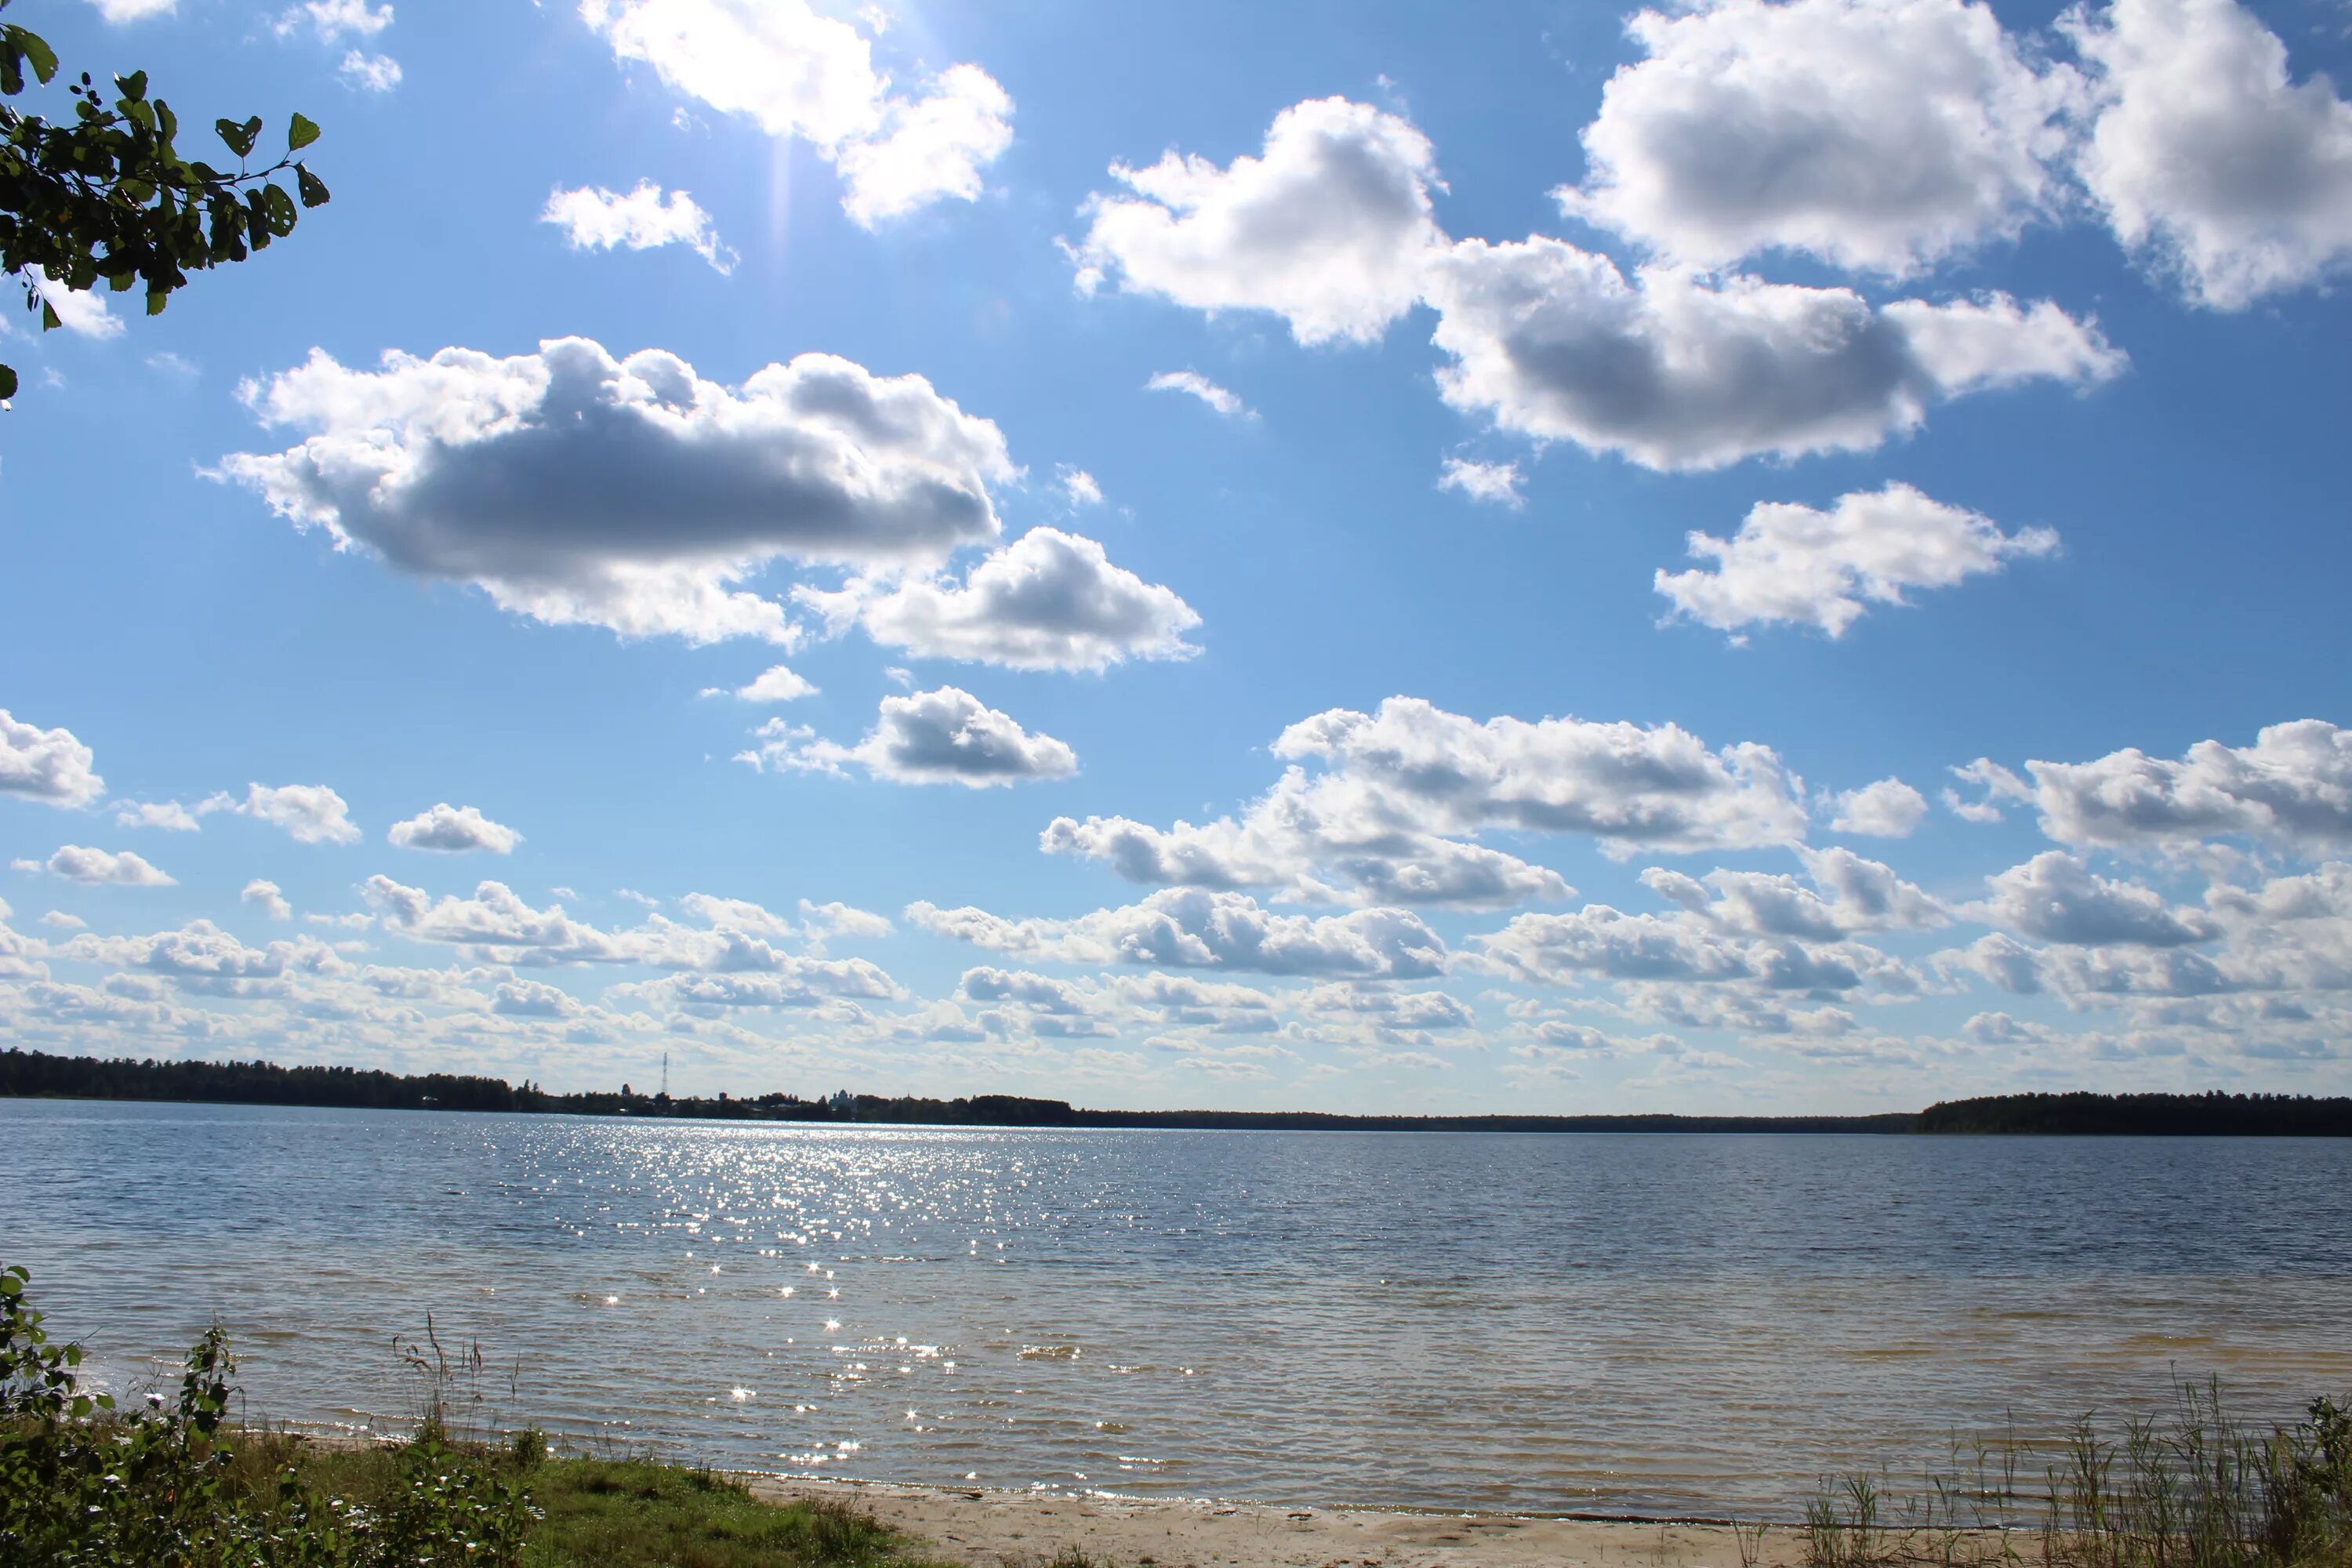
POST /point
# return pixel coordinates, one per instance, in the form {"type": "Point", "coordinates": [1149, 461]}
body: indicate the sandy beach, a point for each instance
{"type": "Point", "coordinates": [1008, 1529]}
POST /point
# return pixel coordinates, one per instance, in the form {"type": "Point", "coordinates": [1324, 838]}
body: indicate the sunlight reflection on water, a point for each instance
{"type": "Point", "coordinates": [1632, 1323]}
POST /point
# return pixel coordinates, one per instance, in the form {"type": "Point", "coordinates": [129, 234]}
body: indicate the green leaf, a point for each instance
{"type": "Point", "coordinates": [35, 49]}
{"type": "Point", "coordinates": [155, 298]}
{"type": "Point", "coordinates": [49, 323]}
{"type": "Point", "coordinates": [241, 138]}
{"type": "Point", "coordinates": [313, 189]}
{"type": "Point", "coordinates": [134, 86]}
{"type": "Point", "coordinates": [300, 134]}
{"type": "Point", "coordinates": [7, 390]}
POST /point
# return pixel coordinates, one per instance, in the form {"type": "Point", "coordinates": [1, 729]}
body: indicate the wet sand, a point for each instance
{"type": "Point", "coordinates": [1027, 1529]}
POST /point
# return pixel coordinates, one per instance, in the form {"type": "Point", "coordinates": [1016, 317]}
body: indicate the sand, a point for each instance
{"type": "Point", "coordinates": [1027, 1529]}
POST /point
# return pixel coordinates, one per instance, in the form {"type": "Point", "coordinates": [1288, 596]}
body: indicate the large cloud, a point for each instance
{"type": "Point", "coordinates": [792, 72]}
{"type": "Point", "coordinates": [1848, 893]}
{"type": "Point", "coordinates": [1881, 135]}
{"type": "Point", "coordinates": [2056, 898]}
{"type": "Point", "coordinates": [2206, 154]}
{"type": "Point", "coordinates": [1678, 951]}
{"type": "Point", "coordinates": [1677, 371]}
{"type": "Point", "coordinates": [632, 494]}
{"type": "Point", "coordinates": [1049, 600]}
{"type": "Point", "coordinates": [453, 830]}
{"type": "Point", "coordinates": [947, 736]}
{"type": "Point", "coordinates": [79, 863]}
{"type": "Point", "coordinates": [46, 764]}
{"type": "Point", "coordinates": [1329, 228]}
{"type": "Point", "coordinates": [1790, 562]}
{"type": "Point", "coordinates": [1376, 808]}
{"type": "Point", "coordinates": [2293, 786]}
{"type": "Point", "coordinates": [1189, 928]}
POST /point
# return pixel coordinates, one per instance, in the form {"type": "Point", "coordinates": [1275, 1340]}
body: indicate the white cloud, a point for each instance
{"type": "Point", "coordinates": [1329, 228]}
{"type": "Point", "coordinates": [77, 863]}
{"type": "Point", "coordinates": [331, 20]}
{"type": "Point", "coordinates": [643, 219]}
{"type": "Point", "coordinates": [1377, 808]}
{"type": "Point", "coordinates": [1495, 483]}
{"type": "Point", "coordinates": [310, 813]}
{"type": "Point", "coordinates": [370, 73]}
{"type": "Point", "coordinates": [1790, 562]}
{"type": "Point", "coordinates": [1998, 783]}
{"type": "Point", "coordinates": [82, 311]}
{"type": "Point", "coordinates": [947, 736]}
{"type": "Point", "coordinates": [453, 830]}
{"type": "Point", "coordinates": [48, 765]}
{"type": "Point", "coordinates": [2293, 787]}
{"type": "Point", "coordinates": [2056, 898]}
{"type": "Point", "coordinates": [270, 897]}
{"type": "Point", "coordinates": [1881, 135]}
{"type": "Point", "coordinates": [120, 11]}
{"type": "Point", "coordinates": [168, 814]}
{"type": "Point", "coordinates": [931, 148]}
{"type": "Point", "coordinates": [1672, 952]}
{"type": "Point", "coordinates": [1192, 384]}
{"type": "Point", "coordinates": [56, 919]}
{"type": "Point", "coordinates": [1186, 927]}
{"type": "Point", "coordinates": [2207, 155]}
{"type": "Point", "coordinates": [1077, 486]}
{"type": "Point", "coordinates": [1887, 809]}
{"type": "Point", "coordinates": [795, 73]}
{"type": "Point", "coordinates": [1848, 893]}
{"type": "Point", "coordinates": [1676, 371]}
{"type": "Point", "coordinates": [777, 683]}
{"type": "Point", "coordinates": [630, 494]}
{"type": "Point", "coordinates": [1049, 600]}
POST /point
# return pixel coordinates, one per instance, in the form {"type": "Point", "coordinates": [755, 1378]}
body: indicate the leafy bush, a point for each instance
{"type": "Point", "coordinates": [84, 1484]}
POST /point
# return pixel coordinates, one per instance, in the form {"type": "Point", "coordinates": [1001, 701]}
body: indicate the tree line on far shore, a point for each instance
{"type": "Point", "coordinates": [36, 1074]}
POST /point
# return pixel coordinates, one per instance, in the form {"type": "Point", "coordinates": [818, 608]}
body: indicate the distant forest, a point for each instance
{"type": "Point", "coordinates": [34, 1075]}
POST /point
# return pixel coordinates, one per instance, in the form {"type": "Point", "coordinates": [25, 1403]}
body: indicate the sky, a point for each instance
{"type": "Point", "coordinates": [1535, 557]}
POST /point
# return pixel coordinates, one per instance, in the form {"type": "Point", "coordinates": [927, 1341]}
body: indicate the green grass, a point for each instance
{"type": "Point", "coordinates": [603, 1514]}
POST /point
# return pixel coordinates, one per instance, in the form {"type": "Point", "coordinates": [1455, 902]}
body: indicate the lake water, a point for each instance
{"type": "Point", "coordinates": [1626, 1324]}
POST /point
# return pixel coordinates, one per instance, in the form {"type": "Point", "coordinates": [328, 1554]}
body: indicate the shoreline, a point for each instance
{"type": "Point", "coordinates": [981, 1527]}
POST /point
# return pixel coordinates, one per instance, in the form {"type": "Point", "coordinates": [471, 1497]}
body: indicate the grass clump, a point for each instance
{"type": "Point", "coordinates": [2196, 1489]}
{"type": "Point", "coordinates": [170, 1483]}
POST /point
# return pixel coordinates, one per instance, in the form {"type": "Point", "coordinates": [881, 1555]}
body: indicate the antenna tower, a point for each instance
{"type": "Point", "coordinates": [665, 1075]}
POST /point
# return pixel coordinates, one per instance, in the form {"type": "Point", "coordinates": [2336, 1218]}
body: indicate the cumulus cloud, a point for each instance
{"type": "Point", "coordinates": [268, 896]}
{"type": "Point", "coordinates": [2205, 152]}
{"type": "Point", "coordinates": [1495, 483]}
{"type": "Point", "coordinates": [1049, 600]}
{"type": "Point", "coordinates": [1675, 370]}
{"type": "Point", "coordinates": [793, 72]}
{"type": "Point", "coordinates": [2056, 898]}
{"type": "Point", "coordinates": [120, 11]}
{"type": "Point", "coordinates": [332, 20]}
{"type": "Point", "coordinates": [369, 73]}
{"type": "Point", "coordinates": [577, 488]}
{"type": "Point", "coordinates": [1847, 893]}
{"type": "Point", "coordinates": [947, 736]}
{"type": "Point", "coordinates": [1996, 785]}
{"type": "Point", "coordinates": [309, 814]}
{"type": "Point", "coordinates": [1381, 809]}
{"type": "Point", "coordinates": [1887, 809]}
{"type": "Point", "coordinates": [1791, 563]}
{"type": "Point", "coordinates": [77, 863]}
{"type": "Point", "coordinates": [1192, 384]}
{"type": "Point", "coordinates": [47, 765]}
{"type": "Point", "coordinates": [453, 830]}
{"type": "Point", "coordinates": [2293, 787]}
{"type": "Point", "coordinates": [79, 311]}
{"type": "Point", "coordinates": [1327, 229]}
{"type": "Point", "coordinates": [1880, 135]}
{"type": "Point", "coordinates": [1668, 952]}
{"type": "Point", "coordinates": [643, 219]}
{"type": "Point", "coordinates": [496, 925]}
{"type": "Point", "coordinates": [1189, 928]}
{"type": "Point", "coordinates": [168, 814]}
{"type": "Point", "coordinates": [777, 683]}
{"type": "Point", "coordinates": [1077, 486]}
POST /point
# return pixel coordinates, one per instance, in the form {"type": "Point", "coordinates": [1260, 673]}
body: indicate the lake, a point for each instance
{"type": "Point", "coordinates": [1671, 1324]}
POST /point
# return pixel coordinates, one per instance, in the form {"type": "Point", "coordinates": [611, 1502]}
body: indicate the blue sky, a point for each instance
{"type": "Point", "coordinates": [1345, 721]}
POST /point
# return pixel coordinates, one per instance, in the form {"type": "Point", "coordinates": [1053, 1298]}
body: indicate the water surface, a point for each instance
{"type": "Point", "coordinates": [1625, 1322]}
